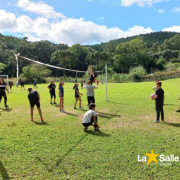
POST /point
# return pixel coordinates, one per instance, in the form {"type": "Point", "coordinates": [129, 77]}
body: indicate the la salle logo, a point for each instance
{"type": "Point", "coordinates": [153, 157]}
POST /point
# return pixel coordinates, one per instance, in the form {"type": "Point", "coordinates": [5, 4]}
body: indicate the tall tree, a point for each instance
{"type": "Point", "coordinates": [62, 56]}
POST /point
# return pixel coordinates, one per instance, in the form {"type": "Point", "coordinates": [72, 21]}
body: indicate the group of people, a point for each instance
{"type": "Point", "coordinates": [90, 117]}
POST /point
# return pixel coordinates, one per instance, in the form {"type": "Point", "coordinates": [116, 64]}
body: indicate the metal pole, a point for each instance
{"type": "Point", "coordinates": [106, 83]}
{"type": "Point", "coordinates": [16, 55]}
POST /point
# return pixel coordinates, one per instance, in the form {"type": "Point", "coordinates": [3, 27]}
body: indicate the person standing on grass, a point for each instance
{"type": "Point", "coordinates": [61, 96]}
{"type": "Point", "coordinates": [90, 92]}
{"type": "Point", "coordinates": [10, 85]}
{"type": "Point", "coordinates": [102, 82]}
{"type": "Point", "coordinates": [34, 99]}
{"type": "Point", "coordinates": [34, 84]}
{"type": "Point", "coordinates": [97, 82]}
{"type": "Point", "coordinates": [22, 85]}
{"type": "Point", "coordinates": [77, 96]}
{"type": "Point", "coordinates": [89, 118]}
{"type": "Point", "coordinates": [159, 98]}
{"type": "Point", "coordinates": [81, 84]}
{"type": "Point", "coordinates": [3, 90]}
{"type": "Point", "coordinates": [52, 88]}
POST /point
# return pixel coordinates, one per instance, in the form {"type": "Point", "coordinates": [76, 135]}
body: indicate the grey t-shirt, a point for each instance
{"type": "Point", "coordinates": [90, 90]}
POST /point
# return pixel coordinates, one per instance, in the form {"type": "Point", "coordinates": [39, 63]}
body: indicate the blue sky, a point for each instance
{"type": "Point", "coordinates": [87, 21]}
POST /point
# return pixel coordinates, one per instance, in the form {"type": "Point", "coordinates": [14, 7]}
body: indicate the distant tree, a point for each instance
{"type": "Point", "coordinates": [2, 67]}
{"type": "Point", "coordinates": [63, 57]}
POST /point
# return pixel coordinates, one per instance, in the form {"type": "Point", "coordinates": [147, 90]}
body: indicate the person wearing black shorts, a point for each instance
{"type": "Point", "coordinates": [52, 88]}
{"type": "Point", "coordinates": [2, 92]}
{"type": "Point", "coordinates": [159, 102]}
{"type": "Point", "coordinates": [77, 96]}
{"type": "Point", "coordinates": [92, 75]}
{"type": "Point", "coordinates": [90, 92]}
{"type": "Point", "coordinates": [22, 85]}
{"type": "Point", "coordinates": [34, 99]}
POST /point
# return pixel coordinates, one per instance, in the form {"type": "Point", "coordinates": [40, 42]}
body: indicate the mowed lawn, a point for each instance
{"type": "Point", "coordinates": [60, 149]}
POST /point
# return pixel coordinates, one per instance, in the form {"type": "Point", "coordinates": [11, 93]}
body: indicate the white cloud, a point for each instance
{"type": "Point", "coordinates": [100, 18]}
{"type": "Point", "coordinates": [7, 20]}
{"type": "Point", "coordinates": [172, 29]}
{"type": "Point", "coordinates": [160, 10]}
{"type": "Point", "coordinates": [139, 2]}
{"type": "Point", "coordinates": [177, 9]}
{"type": "Point", "coordinates": [39, 8]}
{"type": "Point", "coordinates": [69, 31]}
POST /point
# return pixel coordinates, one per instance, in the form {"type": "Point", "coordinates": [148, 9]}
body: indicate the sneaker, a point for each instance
{"type": "Point", "coordinates": [156, 121]}
{"type": "Point", "coordinates": [178, 111]}
{"type": "Point", "coordinates": [55, 103]}
{"type": "Point", "coordinates": [51, 103]}
{"type": "Point", "coordinates": [6, 106]}
{"type": "Point", "coordinates": [96, 130]}
{"type": "Point", "coordinates": [42, 119]}
{"type": "Point", "coordinates": [63, 111]}
{"type": "Point", "coordinates": [80, 107]}
{"type": "Point", "coordinates": [85, 129]}
{"type": "Point", "coordinates": [31, 119]}
{"type": "Point", "coordinates": [75, 107]}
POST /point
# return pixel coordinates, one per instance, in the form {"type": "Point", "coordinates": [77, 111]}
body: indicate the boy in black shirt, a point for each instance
{"type": "Point", "coordinates": [93, 75]}
{"type": "Point", "coordinates": [34, 99]}
{"type": "Point", "coordinates": [22, 85]}
{"type": "Point", "coordinates": [52, 88]}
{"type": "Point", "coordinates": [159, 102]}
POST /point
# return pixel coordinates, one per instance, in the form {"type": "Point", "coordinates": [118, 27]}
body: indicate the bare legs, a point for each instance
{"type": "Point", "coordinates": [76, 100]}
{"type": "Point", "coordinates": [61, 103]}
{"type": "Point", "coordinates": [39, 110]}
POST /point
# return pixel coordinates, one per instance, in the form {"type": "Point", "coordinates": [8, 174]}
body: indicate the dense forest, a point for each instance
{"type": "Point", "coordinates": [152, 51]}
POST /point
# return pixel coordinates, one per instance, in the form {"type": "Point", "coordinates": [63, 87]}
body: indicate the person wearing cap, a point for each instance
{"type": "Point", "coordinates": [155, 88]}
{"type": "Point", "coordinates": [34, 99]}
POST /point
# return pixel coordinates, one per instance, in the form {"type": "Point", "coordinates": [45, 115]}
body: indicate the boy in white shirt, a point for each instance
{"type": "Point", "coordinates": [90, 117]}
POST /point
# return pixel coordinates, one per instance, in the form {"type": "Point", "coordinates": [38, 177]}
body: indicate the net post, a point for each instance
{"type": "Point", "coordinates": [8, 82]}
{"type": "Point", "coordinates": [106, 83]}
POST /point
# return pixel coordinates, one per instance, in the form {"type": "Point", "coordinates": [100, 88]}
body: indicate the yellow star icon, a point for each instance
{"type": "Point", "coordinates": [152, 157]}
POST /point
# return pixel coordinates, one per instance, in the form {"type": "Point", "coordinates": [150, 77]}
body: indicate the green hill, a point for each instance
{"type": "Point", "coordinates": [149, 39]}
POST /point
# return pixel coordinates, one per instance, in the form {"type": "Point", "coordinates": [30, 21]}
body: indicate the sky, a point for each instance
{"type": "Point", "coordinates": [87, 21]}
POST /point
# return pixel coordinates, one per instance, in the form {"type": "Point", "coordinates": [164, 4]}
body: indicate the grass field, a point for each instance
{"type": "Point", "coordinates": [59, 149]}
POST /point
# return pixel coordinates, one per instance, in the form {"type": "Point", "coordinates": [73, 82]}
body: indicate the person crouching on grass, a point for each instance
{"type": "Point", "coordinates": [90, 117]}
{"type": "Point", "coordinates": [61, 96]}
{"type": "Point", "coordinates": [159, 102]}
{"type": "Point", "coordinates": [77, 96]}
{"type": "Point", "coordinates": [34, 99]}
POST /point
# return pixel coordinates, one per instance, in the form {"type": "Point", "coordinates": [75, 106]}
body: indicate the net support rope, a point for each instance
{"type": "Point", "coordinates": [53, 66]}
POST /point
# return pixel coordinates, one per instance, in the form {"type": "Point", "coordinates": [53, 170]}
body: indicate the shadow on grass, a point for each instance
{"type": "Point", "coordinates": [105, 115]}
{"type": "Point", "coordinates": [70, 114]}
{"type": "Point", "coordinates": [102, 134]}
{"type": "Point", "coordinates": [3, 172]}
{"type": "Point", "coordinates": [173, 124]}
{"type": "Point", "coordinates": [40, 123]}
{"type": "Point", "coordinates": [7, 109]}
{"type": "Point", "coordinates": [63, 156]}
{"type": "Point", "coordinates": [170, 104]}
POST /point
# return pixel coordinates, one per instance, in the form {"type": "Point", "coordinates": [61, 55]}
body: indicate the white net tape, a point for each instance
{"type": "Point", "coordinates": [53, 66]}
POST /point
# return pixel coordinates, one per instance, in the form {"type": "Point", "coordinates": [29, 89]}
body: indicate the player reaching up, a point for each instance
{"type": "Point", "coordinates": [93, 75]}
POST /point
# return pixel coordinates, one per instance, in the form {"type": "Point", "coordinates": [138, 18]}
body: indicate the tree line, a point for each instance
{"type": "Point", "coordinates": [152, 51]}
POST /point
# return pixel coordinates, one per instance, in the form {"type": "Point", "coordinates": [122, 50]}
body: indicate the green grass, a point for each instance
{"type": "Point", "coordinates": [59, 149]}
